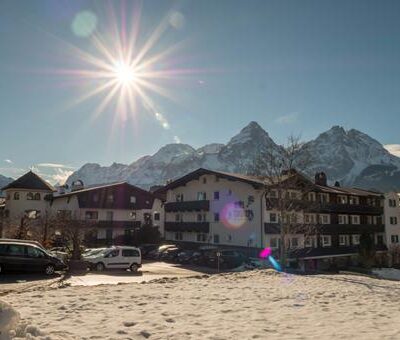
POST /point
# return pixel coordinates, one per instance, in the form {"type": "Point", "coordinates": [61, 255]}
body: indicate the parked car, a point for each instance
{"type": "Point", "coordinates": [170, 254]}
{"type": "Point", "coordinates": [92, 251]}
{"type": "Point", "coordinates": [27, 256]}
{"type": "Point", "coordinates": [156, 254]}
{"type": "Point", "coordinates": [228, 259]}
{"type": "Point", "coordinates": [60, 252]}
{"type": "Point", "coordinates": [121, 257]}
{"type": "Point", "coordinates": [147, 248]}
{"type": "Point", "coordinates": [186, 256]}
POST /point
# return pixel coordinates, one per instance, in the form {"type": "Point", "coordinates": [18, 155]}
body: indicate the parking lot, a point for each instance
{"type": "Point", "coordinates": [11, 283]}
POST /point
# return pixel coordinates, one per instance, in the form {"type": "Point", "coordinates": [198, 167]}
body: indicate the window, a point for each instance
{"type": "Point", "coordinates": [293, 195]}
{"type": "Point", "coordinates": [394, 238]}
{"type": "Point", "coordinates": [156, 216]}
{"type": "Point", "coordinates": [216, 179]}
{"type": "Point", "coordinates": [311, 196]}
{"type": "Point", "coordinates": [216, 238]}
{"type": "Point", "coordinates": [34, 252]}
{"type": "Point", "coordinates": [229, 192]}
{"type": "Point", "coordinates": [310, 241]}
{"type": "Point", "coordinates": [110, 198]}
{"type": "Point", "coordinates": [178, 218]}
{"type": "Point", "coordinates": [342, 199]}
{"type": "Point", "coordinates": [216, 217]}
{"type": "Point", "coordinates": [379, 239]}
{"type": "Point", "coordinates": [324, 198]}
{"type": "Point", "coordinates": [178, 236]}
{"type": "Point", "coordinates": [355, 219]}
{"type": "Point", "coordinates": [95, 197]}
{"type": "Point", "coordinates": [343, 219]}
{"type": "Point", "coordinates": [204, 180]}
{"type": "Point", "coordinates": [179, 197]}
{"type": "Point", "coordinates": [16, 250]}
{"type": "Point", "coordinates": [36, 197]}
{"type": "Point", "coordinates": [132, 215]}
{"type": "Point", "coordinates": [29, 196]}
{"type": "Point", "coordinates": [201, 217]}
{"type": "Point", "coordinates": [200, 237]}
{"type": "Point", "coordinates": [326, 240]}
{"type": "Point", "coordinates": [272, 194]}
{"type": "Point", "coordinates": [273, 217]}
{"type": "Point", "coordinates": [216, 195]}
{"type": "Point", "coordinates": [91, 215]}
{"type": "Point", "coordinates": [294, 242]}
{"type": "Point", "coordinates": [323, 219]}
{"type": "Point", "coordinates": [344, 240]}
{"type": "Point", "coordinates": [133, 199]}
{"type": "Point", "coordinates": [393, 220]}
{"type": "Point", "coordinates": [353, 200]}
{"type": "Point", "coordinates": [250, 199]}
{"type": "Point", "coordinates": [130, 253]}
{"type": "Point", "coordinates": [356, 239]}
{"type": "Point", "coordinates": [273, 243]}
{"type": "Point", "coordinates": [201, 196]}
{"type": "Point", "coordinates": [112, 253]}
{"type": "Point", "coordinates": [16, 196]}
{"type": "Point", "coordinates": [229, 238]}
{"type": "Point", "coordinates": [109, 215]}
{"type": "Point", "coordinates": [392, 203]}
{"type": "Point", "coordinates": [64, 214]}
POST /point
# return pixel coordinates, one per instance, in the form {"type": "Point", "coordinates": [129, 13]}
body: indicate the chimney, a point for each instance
{"type": "Point", "coordinates": [337, 184]}
{"type": "Point", "coordinates": [320, 179]}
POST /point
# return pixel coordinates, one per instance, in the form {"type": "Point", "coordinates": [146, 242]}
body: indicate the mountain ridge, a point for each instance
{"type": "Point", "coordinates": [349, 156]}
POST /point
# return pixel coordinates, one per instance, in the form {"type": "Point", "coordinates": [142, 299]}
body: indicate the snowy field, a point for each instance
{"type": "Point", "coordinates": [247, 305]}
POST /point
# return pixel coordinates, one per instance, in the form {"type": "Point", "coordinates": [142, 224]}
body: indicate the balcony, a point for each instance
{"type": "Point", "coordinates": [187, 206]}
{"type": "Point", "coordinates": [309, 206]}
{"type": "Point", "coordinates": [197, 227]}
{"type": "Point", "coordinates": [329, 229]}
{"type": "Point", "coordinates": [116, 224]}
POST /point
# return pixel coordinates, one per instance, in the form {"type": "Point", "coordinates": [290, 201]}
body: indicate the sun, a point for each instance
{"type": "Point", "coordinates": [124, 73]}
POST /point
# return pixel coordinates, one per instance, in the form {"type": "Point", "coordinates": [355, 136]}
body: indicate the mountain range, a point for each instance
{"type": "Point", "coordinates": [351, 157]}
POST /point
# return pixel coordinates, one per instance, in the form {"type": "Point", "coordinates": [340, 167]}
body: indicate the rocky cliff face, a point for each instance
{"type": "Point", "coordinates": [351, 157]}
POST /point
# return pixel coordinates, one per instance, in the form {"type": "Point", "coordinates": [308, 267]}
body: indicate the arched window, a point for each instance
{"type": "Point", "coordinates": [29, 196]}
{"type": "Point", "coordinates": [16, 196]}
{"type": "Point", "coordinates": [37, 197]}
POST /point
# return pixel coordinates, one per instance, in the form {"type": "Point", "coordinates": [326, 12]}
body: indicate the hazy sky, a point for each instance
{"type": "Point", "coordinates": [293, 66]}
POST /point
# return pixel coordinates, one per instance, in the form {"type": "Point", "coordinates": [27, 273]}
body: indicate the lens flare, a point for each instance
{"type": "Point", "coordinates": [233, 216]}
{"type": "Point", "coordinates": [267, 254]}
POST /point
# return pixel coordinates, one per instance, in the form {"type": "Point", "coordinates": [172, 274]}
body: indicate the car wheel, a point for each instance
{"type": "Point", "coordinates": [49, 269]}
{"type": "Point", "coordinates": [134, 268]}
{"type": "Point", "coordinates": [100, 267]}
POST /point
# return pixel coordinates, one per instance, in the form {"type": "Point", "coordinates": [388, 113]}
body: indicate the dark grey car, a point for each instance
{"type": "Point", "coordinates": [24, 257]}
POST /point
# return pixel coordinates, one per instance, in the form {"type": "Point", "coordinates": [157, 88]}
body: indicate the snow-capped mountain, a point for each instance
{"type": "Point", "coordinates": [351, 157]}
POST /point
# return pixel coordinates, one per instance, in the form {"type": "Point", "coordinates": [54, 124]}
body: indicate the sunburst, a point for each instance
{"type": "Point", "coordinates": [120, 73]}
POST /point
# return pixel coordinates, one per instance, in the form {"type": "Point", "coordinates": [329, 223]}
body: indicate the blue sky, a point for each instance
{"type": "Point", "coordinates": [293, 66]}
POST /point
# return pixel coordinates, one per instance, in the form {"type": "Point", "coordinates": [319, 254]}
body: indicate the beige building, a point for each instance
{"type": "Point", "coordinates": [113, 213]}
{"type": "Point", "coordinates": [27, 197]}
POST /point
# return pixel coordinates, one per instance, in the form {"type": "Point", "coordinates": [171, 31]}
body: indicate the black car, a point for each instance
{"type": "Point", "coordinates": [227, 259]}
{"type": "Point", "coordinates": [26, 256]}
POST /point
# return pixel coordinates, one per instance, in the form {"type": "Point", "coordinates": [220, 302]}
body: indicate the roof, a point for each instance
{"type": "Point", "coordinates": [347, 191]}
{"type": "Point", "coordinates": [30, 181]}
{"type": "Point", "coordinates": [252, 180]}
{"type": "Point", "coordinates": [95, 187]}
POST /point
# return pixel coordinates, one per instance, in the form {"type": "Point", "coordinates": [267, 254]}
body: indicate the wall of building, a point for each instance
{"type": "Point", "coordinates": [392, 219]}
{"type": "Point", "coordinates": [237, 226]}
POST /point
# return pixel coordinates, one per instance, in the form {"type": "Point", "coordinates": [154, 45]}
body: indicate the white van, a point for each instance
{"type": "Point", "coordinates": [121, 257]}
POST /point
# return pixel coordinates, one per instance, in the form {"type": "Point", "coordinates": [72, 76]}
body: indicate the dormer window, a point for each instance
{"type": "Point", "coordinates": [29, 196]}
{"type": "Point", "coordinates": [16, 196]}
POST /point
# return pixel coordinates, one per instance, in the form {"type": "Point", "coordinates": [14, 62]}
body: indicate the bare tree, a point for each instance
{"type": "Point", "coordinates": [281, 172]}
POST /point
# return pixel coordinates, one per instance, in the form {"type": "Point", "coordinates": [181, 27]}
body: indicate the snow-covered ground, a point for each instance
{"type": "Point", "coordinates": [247, 305]}
{"type": "Point", "coordinates": [387, 273]}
